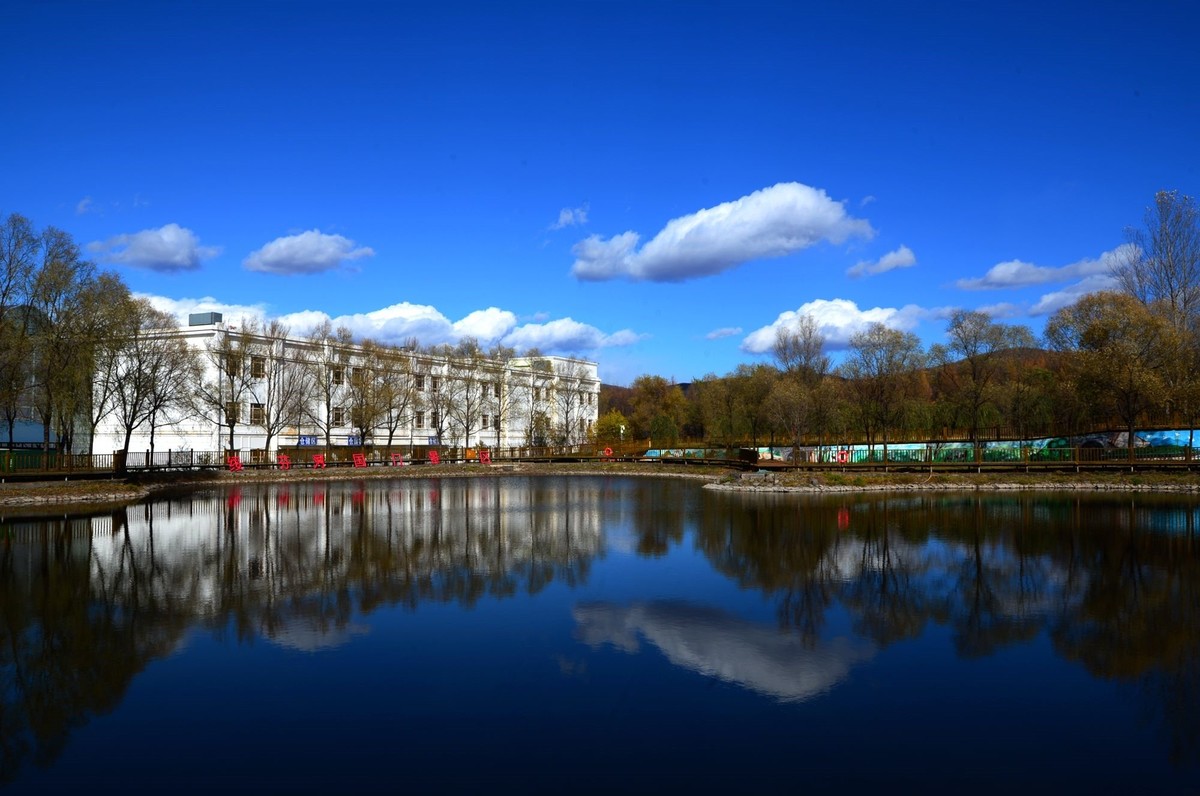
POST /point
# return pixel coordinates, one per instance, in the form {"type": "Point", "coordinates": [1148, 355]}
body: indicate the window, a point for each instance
{"type": "Point", "coordinates": [420, 421]}
{"type": "Point", "coordinates": [433, 383]}
{"type": "Point", "coordinates": [485, 422]}
{"type": "Point", "coordinates": [337, 375]}
{"type": "Point", "coordinates": [258, 367]}
{"type": "Point", "coordinates": [484, 394]}
{"type": "Point", "coordinates": [496, 422]}
{"type": "Point", "coordinates": [590, 398]}
{"type": "Point", "coordinates": [433, 419]}
{"type": "Point", "coordinates": [339, 416]}
{"type": "Point", "coordinates": [420, 386]}
{"type": "Point", "coordinates": [496, 389]}
{"type": "Point", "coordinates": [231, 412]}
{"type": "Point", "coordinates": [233, 364]}
{"type": "Point", "coordinates": [258, 415]}
{"type": "Point", "coordinates": [537, 393]}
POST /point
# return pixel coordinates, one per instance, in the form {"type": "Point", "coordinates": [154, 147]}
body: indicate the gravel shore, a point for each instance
{"type": "Point", "coordinates": [59, 494]}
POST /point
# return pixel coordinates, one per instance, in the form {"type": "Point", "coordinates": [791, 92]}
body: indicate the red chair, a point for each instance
{"type": "Point", "coordinates": [397, 460]}
{"type": "Point", "coordinates": [283, 461]}
{"type": "Point", "coordinates": [318, 460]}
{"type": "Point", "coordinates": [359, 460]}
{"type": "Point", "coordinates": [434, 458]}
{"type": "Point", "coordinates": [234, 463]}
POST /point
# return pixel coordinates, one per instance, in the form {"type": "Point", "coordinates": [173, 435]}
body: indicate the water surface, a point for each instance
{"type": "Point", "coordinates": [591, 633]}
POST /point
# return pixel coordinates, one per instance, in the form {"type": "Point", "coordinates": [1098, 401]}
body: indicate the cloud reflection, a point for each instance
{"type": "Point", "coordinates": [718, 644]}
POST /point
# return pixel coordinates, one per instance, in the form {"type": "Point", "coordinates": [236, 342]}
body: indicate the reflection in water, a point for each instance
{"type": "Point", "coordinates": [1113, 581]}
{"type": "Point", "coordinates": [1109, 583]}
{"type": "Point", "coordinates": [717, 644]}
{"type": "Point", "coordinates": [87, 602]}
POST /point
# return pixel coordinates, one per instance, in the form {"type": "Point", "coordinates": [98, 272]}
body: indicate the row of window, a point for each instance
{"type": "Point", "coordinates": [337, 375]}
{"type": "Point", "coordinates": [258, 417]}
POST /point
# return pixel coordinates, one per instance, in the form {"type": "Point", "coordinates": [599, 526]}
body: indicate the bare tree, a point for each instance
{"type": "Point", "coordinates": [880, 368]}
{"type": "Point", "coordinates": [572, 395]}
{"type": "Point", "coordinates": [972, 361]}
{"type": "Point", "coordinates": [469, 386]}
{"type": "Point", "coordinates": [279, 372]}
{"type": "Point", "coordinates": [1161, 265]}
{"type": "Point", "coordinates": [221, 394]}
{"type": "Point", "coordinates": [327, 368]}
{"type": "Point", "coordinates": [396, 391]}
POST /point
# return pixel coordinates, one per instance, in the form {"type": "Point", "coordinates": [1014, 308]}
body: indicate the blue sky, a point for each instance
{"type": "Point", "coordinates": [655, 186]}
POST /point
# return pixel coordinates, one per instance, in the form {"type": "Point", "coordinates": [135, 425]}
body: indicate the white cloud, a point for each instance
{"type": "Point", "coordinates": [571, 217]}
{"type": "Point", "coordinates": [180, 309]}
{"type": "Point", "coordinates": [84, 206]}
{"type": "Point", "coordinates": [168, 248]}
{"type": "Point", "coordinates": [1017, 273]}
{"type": "Point", "coordinates": [837, 320]}
{"type": "Point", "coordinates": [399, 322]}
{"type": "Point", "coordinates": [309, 252]}
{"type": "Point", "coordinates": [1050, 302]}
{"type": "Point", "coordinates": [1004, 309]}
{"type": "Point", "coordinates": [566, 335]}
{"type": "Point", "coordinates": [726, 331]}
{"type": "Point", "coordinates": [772, 222]}
{"type": "Point", "coordinates": [900, 258]}
{"type": "Point", "coordinates": [489, 324]}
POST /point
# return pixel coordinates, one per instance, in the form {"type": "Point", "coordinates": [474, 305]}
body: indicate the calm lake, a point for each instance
{"type": "Point", "coordinates": [583, 634]}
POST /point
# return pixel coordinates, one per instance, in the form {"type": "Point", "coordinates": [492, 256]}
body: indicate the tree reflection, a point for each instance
{"type": "Point", "coordinates": [788, 550]}
{"type": "Point", "coordinates": [1115, 582]}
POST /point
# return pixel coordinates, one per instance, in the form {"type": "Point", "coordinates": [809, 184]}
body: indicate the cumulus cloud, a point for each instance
{"type": "Point", "coordinates": [571, 217]}
{"type": "Point", "coordinates": [772, 222]}
{"type": "Point", "coordinates": [400, 322]}
{"type": "Point", "coordinates": [726, 331]}
{"type": "Point", "coordinates": [309, 252]}
{"type": "Point", "coordinates": [168, 248]}
{"type": "Point", "coordinates": [566, 335]}
{"type": "Point", "coordinates": [900, 258]}
{"type": "Point", "coordinates": [837, 320]}
{"type": "Point", "coordinates": [180, 309]}
{"type": "Point", "coordinates": [1004, 309]}
{"type": "Point", "coordinates": [1017, 273]}
{"type": "Point", "coordinates": [1050, 302]}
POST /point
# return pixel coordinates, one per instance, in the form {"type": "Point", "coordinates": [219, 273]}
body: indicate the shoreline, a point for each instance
{"type": "Point", "coordinates": [57, 495]}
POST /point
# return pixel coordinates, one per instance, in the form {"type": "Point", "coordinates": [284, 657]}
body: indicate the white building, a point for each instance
{"type": "Point", "coordinates": [258, 394]}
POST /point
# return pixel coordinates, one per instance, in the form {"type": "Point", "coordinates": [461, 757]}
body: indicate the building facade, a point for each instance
{"type": "Point", "coordinates": [258, 392]}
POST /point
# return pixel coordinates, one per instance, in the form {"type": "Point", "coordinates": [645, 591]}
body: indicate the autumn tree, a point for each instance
{"type": "Point", "coordinates": [19, 252]}
{"type": "Point", "coordinates": [1120, 353]}
{"type": "Point", "coordinates": [800, 354]}
{"type": "Point", "coordinates": [658, 406]}
{"type": "Point", "coordinates": [971, 363]}
{"type": "Point", "coordinates": [879, 369]}
{"type": "Point", "coordinates": [1160, 267]}
{"type": "Point", "coordinates": [69, 299]}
